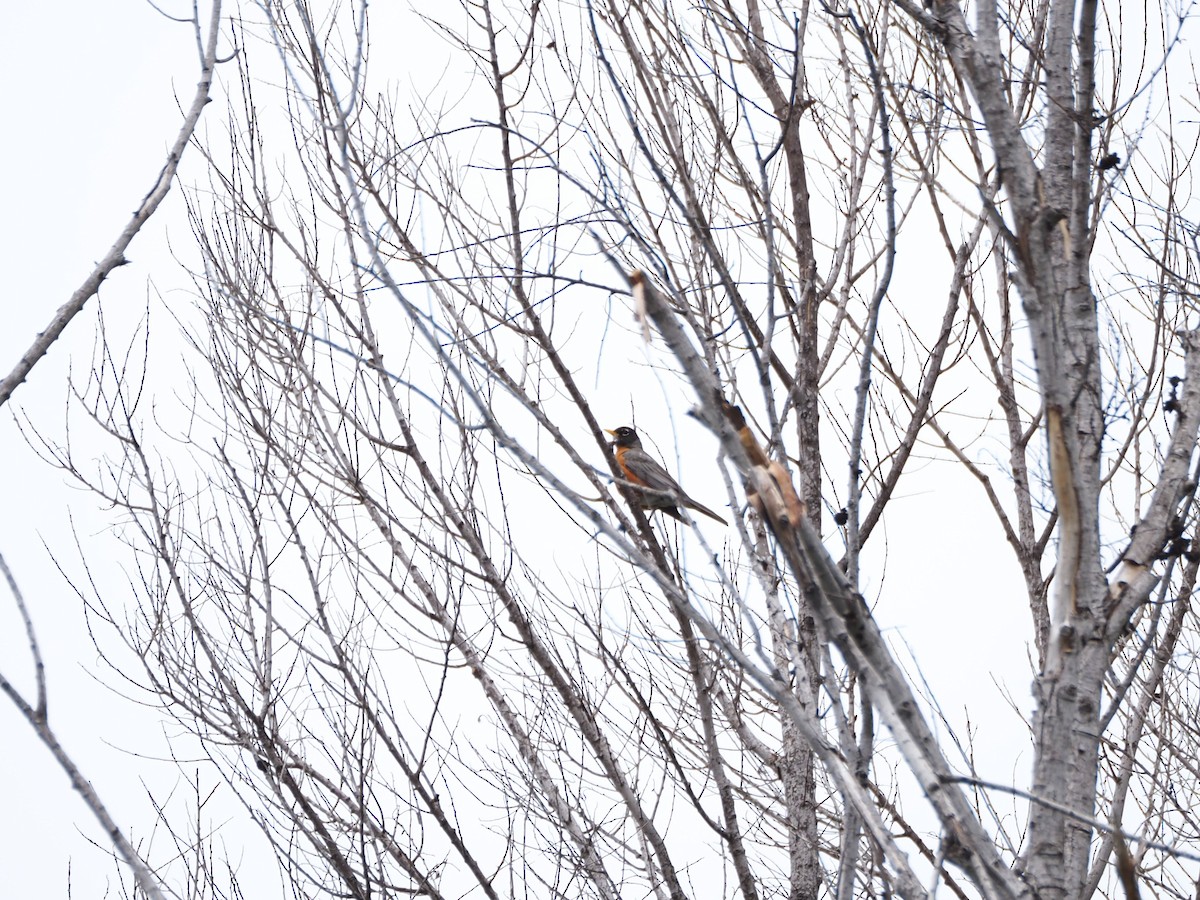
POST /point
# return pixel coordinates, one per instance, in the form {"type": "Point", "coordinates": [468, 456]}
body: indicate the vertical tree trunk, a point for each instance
{"type": "Point", "coordinates": [1050, 245]}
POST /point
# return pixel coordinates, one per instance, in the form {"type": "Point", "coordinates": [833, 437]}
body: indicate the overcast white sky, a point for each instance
{"type": "Point", "coordinates": [90, 100]}
{"type": "Point", "coordinates": [90, 105]}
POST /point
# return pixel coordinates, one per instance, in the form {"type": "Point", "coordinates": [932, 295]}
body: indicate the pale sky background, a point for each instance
{"type": "Point", "coordinates": [90, 100]}
{"type": "Point", "coordinates": [91, 104]}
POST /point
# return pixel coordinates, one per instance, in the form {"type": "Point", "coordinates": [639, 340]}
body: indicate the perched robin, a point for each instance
{"type": "Point", "coordinates": [641, 469]}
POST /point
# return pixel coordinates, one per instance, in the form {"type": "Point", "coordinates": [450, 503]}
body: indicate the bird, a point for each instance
{"type": "Point", "coordinates": [640, 469]}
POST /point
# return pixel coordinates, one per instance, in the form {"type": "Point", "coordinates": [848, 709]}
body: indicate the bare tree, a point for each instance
{"type": "Point", "coordinates": [406, 598]}
{"type": "Point", "coordinates": [34, 707]}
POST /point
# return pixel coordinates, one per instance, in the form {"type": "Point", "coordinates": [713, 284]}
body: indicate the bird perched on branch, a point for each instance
{"type": "Point", "coordinates": [641, 470]}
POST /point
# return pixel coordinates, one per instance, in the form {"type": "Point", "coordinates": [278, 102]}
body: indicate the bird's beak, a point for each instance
{"type": "Point", "coordinates": [610, 431]}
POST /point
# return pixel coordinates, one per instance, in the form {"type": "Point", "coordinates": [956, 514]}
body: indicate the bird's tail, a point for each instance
{"type": "Point", "coordinates": [700, 508]}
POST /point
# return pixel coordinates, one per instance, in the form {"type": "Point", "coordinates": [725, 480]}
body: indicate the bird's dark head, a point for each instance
{"type": "Point", "coordinates": [624, 437]}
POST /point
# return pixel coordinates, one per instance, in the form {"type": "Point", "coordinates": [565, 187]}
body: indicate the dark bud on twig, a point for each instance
{"type": "Point", "coordinates": [1171, 404]}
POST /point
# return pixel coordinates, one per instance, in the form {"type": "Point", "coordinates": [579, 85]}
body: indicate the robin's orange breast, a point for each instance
{"type": "Point", "coordinates": [630, 475]}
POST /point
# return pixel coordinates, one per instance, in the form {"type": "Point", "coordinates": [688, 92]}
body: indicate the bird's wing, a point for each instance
{"type": "Point", "coordinates": [644, 468]}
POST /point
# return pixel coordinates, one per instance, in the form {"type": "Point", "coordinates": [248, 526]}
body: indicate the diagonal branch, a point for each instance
{"type": "Point", "coordinates": [40, 723]}
{"type": "Point", "coordinates": [1134, 579]}
{"type": "Point", "coordinates": [848, 623]}
{"type": "Point", "coordinates": [116, 253]}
